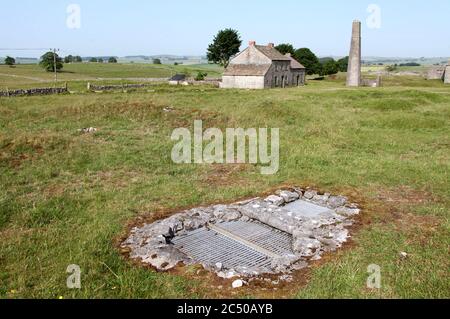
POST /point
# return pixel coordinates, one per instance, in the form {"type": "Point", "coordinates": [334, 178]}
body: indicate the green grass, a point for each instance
{"type": "Point", "coordinates": [33, 74]}
{"type": "Point", "coordinates": [66, 197]}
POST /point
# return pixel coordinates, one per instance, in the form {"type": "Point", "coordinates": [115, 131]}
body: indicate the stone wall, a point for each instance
{"type": "Point", "coordinates": [92, 87]}
{"type": "Point", "coordinates": [243, 82]}
{"type": "Point", "coordinates": [279, 72]}
{"type": "Point", "coordinates": [35, 91]}
{"type": "Point", "coordinates": [374, 83]}
{"type": "Point", "coordinates": [447, 75]}
{"type": "Point", "coordinates": [436, 73]}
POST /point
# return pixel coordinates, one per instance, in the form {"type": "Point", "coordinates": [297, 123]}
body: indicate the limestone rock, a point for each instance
{"type": "Point", "coordinates": [237, 284]}
{"type": "Point", "coordinates": [348, 212]}
{"type": "Point", "coordinates": [276, 200]}
{"type": "Point", "coordinates": [306, 247]}
{"type": "Point", "coordinates": [336, 201]}
{"type": "Point", "coordinates": [321, 199]}
{"type": "Point", "coordinates": [288, 196]}
{"type": "Point", "coordinates": [310, 194]}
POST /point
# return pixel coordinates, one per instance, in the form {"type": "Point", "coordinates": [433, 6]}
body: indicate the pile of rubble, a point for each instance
{"type": "Point", "coordinates": [317, 223]}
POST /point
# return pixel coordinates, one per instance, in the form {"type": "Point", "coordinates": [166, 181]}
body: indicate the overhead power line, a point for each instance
{"type": "Point", "coordinates": [23, 49]}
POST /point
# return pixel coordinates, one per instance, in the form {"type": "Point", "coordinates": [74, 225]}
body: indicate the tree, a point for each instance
{"type": "Point", "coordinates": [100, 60]}
{"type": "Point", "coordinates": [225, 44]}
{"type": "Point", "coordinates": [391, 68]}
{"type": "Point", "coordinates": [201, 76]}
{"type": "Point", "coordinates": [330, 67]}
{"type": "Point", "coordinates": [157, 61]}
{"type": "Point", "coordinates": [309, 60]}
{"type": "Point", "coordinates": [112, 60]}
{"type": "Point", "coordinates": [343, 64]}
{"type": "Point", "coordinates": [48, 62]}
{"type": "Point", "coordinates": [78, 59]}
{"type": "Point", "coordinates": [10, 61]}
{"type": "Point", "coordinates": [69, 59]}
{"type": "Point", "coordinates": [285, 48]}
{"type": "Point", "coordinates": [93, 60]}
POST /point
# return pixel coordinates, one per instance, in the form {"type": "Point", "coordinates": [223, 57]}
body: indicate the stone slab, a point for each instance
{"type": "Point", "coordinates": [303, 208]}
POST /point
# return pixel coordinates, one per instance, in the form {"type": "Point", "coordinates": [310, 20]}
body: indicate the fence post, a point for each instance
{"type": "Point", "coordinates": [7, 92]}
{"type": "Point", "coordinates": [89, 86]}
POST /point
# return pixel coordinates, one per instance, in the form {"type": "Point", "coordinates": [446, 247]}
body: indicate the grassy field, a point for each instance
{"type": "Point", "coordinates": [377, 68]}
{"type": "Point", "coordinates": [33, 74]}
{"type": "Point", "coordinates": [65, 198]}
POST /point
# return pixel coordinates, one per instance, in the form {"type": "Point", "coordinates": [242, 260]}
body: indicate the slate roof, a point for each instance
{"type": "Point", "coordinates": [271, 53]}
{"type": "Point", "coordinates": [294, 63]}
{"type": "Point", "coordinates": [261, 69]}
{"type": "Point", "coordinates": [247, 69]}
{"type": "Point", "coordinates": [178, 77]}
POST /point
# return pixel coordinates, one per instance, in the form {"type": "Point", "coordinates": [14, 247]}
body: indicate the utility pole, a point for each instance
{"type": "Point", "coordinates": [54, 64]}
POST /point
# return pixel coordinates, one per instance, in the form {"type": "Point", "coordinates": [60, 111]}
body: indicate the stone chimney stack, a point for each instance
{"type": "Point", "coordinates": [251, 43]}
{"type": "Point", "coordinates": [271, 45]}
{"type": "Point", "coordinates": [354, 63]}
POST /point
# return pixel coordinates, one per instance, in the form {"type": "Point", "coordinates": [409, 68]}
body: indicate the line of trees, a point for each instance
{"type": "Point", "coordinates": [100, 60]}
{"type": "Point", "coordinates": [73, 59]}
{"type": "Point", "coordinates": [314, 65]}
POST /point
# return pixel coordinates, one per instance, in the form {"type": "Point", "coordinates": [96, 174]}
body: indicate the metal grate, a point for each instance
{"type": "Point", "coordinates": [236, 244]}
{"type": "Point", "coordinates": [262, 235]}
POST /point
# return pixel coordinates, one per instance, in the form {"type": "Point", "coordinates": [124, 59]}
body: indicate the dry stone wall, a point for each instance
{"type": "Point", "coordinates": [35, 91]}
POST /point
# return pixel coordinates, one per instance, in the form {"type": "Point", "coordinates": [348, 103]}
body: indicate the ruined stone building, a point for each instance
{"type": "Point", "coordinates": [440, 72]}
{"type": "Point", "coordinates": [260, 67]}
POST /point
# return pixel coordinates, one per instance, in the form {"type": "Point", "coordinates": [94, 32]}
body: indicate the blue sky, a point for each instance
{"type": "Point", "coordinates": [409, 28]}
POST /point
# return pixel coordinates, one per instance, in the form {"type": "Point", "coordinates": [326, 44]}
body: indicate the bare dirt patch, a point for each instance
{"type": "Point", "coordinates": [220, 175]}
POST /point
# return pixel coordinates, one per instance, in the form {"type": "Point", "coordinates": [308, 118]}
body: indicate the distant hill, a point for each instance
{"type": "Point", "coordinates": [165, 59]}
{"type": "Point", "coordinates": [20, 60]}
{"type": "Point", "coordinates": [397, 60]}
{"type": "Point", "coordinates": [189, 60]}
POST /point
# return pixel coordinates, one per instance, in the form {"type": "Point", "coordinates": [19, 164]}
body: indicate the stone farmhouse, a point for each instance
{"type": "Point", "coordinates": [261, 67]}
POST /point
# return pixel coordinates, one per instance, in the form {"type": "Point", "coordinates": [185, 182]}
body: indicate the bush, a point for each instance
{"type": "Point", "coordinates": [157, 61]}
{"type": "Point", "coordinates": [391, 68]}
{"type": "Point", "coordinates": [201, 76]}
{"type": "Point", "coordinates": [330, 67]}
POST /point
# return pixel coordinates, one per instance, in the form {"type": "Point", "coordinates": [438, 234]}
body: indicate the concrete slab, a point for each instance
{"type": "Point", "coordinates": [303, 208]}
